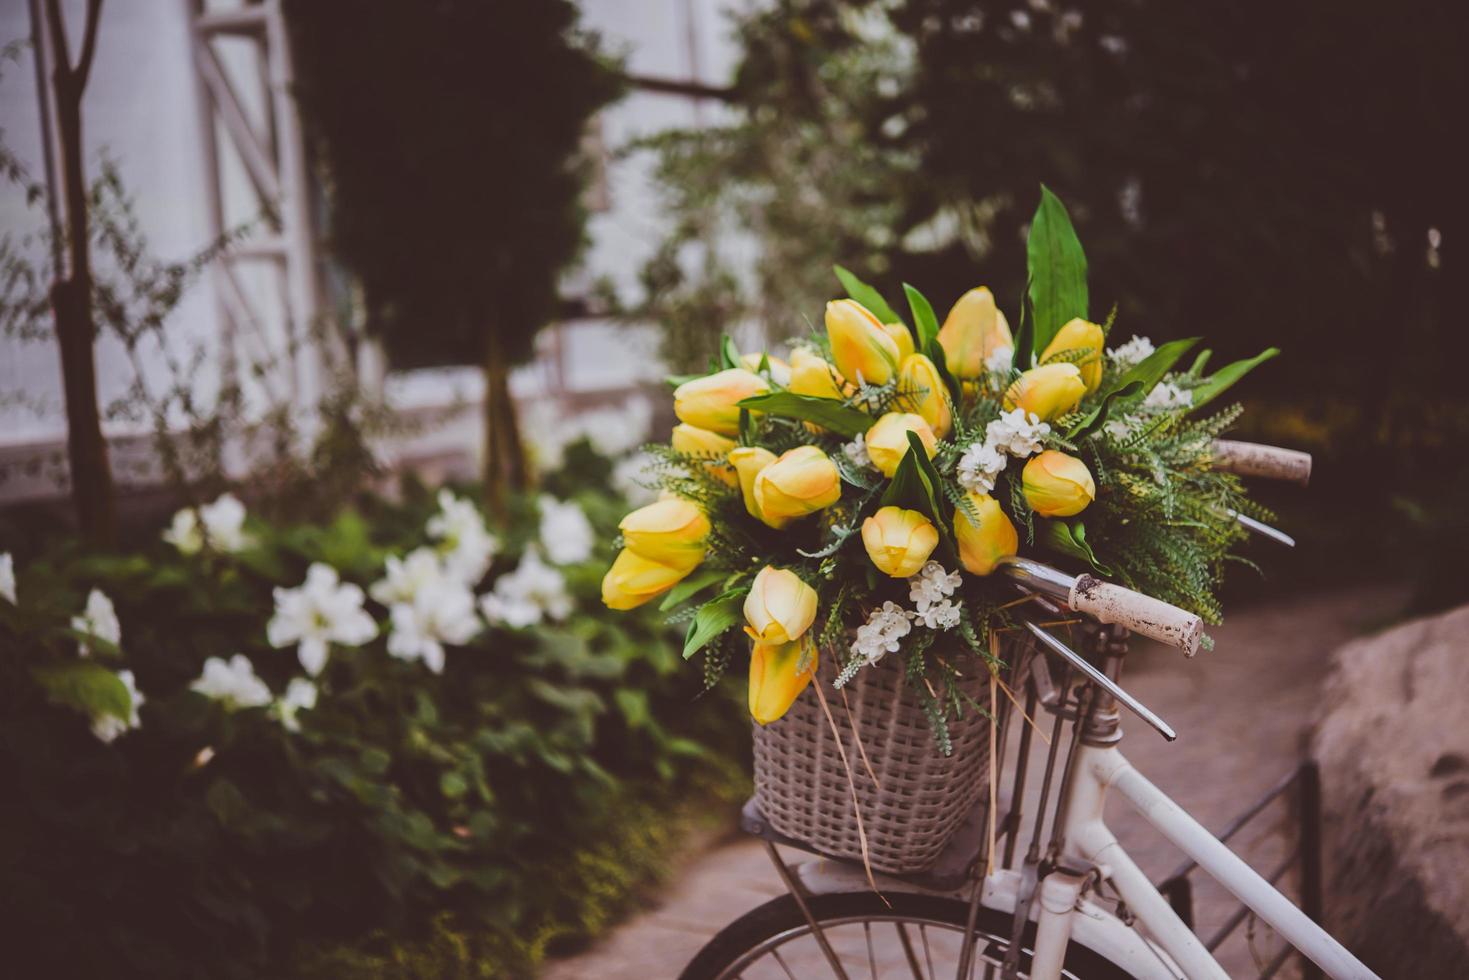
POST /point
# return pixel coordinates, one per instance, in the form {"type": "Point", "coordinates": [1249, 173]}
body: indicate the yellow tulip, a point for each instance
{"type": "Point", "coordinates": [779, 607]}
{"type": "Point", "coordinates": [812, 375]}
{"type": "Point", "coordinates": [802, 481]}
{"type": "Point", "coordinates": [887, 440]}
{"type": "Point", "coordinates": [974, 329]}
{"type": "Point", "coordinates": [899, 541]}
{"type": "Point", "coordinates": [1080, 335]}
{"type": "Point", "coordinates": [673, 532]}
{"type": "Point", "coordinates": [1057, 485]}
{"type": "Point", "coordinates": [1048, 391]}
{"type": "Point", "coordinates": [695, 441]}
{"type": "Point", "coordinates": [926, 393]}
{"type": "Point", "coordinates": [633, 580]}
{"type": "Point", "coordinates": [902, 336]}
{"type": "Point", "coordinates": [780, 371]}
{"type": "Point", "coordinates": [981, 547]}
{"type": "Point", "coordinates": [862, 350]}
{"type": "Point", "coordinates": [748, 462]}
{"type": "Point", "coordinates": [712, 402]}
{"type": "Point", "coordinates": [776, 679]}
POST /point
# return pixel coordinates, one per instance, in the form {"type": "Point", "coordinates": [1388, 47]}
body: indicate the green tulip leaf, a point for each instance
{"type": "Point", "coordinates": [1151, 369]}
{"type": "Point", "coordinates": [915, 486]}
{"type": "Point", "coordinates": [866, 295]}
{"type": "Point", "coordinates": [1069, 538]}
{"type": "Point", "coordinates": [1022, 355]}
{"type": "Point", "coordinates": [923, 317]}
{"type": "Point", "coordinates": [1221, 380]}
{"type": "Point", "coordinates": [1057, 268]}
{"type": "Point", "coordinates": [826, 412]}
{"type": "Point", "coordinates": [713, 618]}
{"type": "Point", "coordinates": [1198, 367]}
{"type": "Point", "coordinates": [729, 354]}
{"type": "Point", "coordinates": [1097, 417]}
{"type": "Point", "coordinates": [691, 586]}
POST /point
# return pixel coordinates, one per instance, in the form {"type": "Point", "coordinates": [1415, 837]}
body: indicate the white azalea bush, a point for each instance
{"type": "Point", "coordinates": [328, 730]}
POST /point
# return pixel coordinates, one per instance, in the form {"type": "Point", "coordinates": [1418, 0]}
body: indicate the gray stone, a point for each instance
{"type": "Point", "coordinates": [1393, 745]}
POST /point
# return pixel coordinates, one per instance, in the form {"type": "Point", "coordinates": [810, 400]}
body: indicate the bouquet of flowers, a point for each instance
{"type": "Point", "coordinates": [855, 501]}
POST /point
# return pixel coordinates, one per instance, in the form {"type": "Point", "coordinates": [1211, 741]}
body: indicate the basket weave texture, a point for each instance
{"type": "Point", "coordinates": [802, 786]}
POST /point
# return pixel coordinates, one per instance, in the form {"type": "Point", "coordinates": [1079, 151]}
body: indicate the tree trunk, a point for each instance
{"type": "Point", "coordinates": [71, 297]}
{"type": "Point", "coordinates": [504, 462]}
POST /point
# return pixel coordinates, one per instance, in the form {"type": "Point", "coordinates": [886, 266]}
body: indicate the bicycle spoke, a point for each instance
{"type": "Point", "coordinates": [927, 954]}
{"type": "Point", "coordinates": [776, 954]}
{"type": "Point", "coordinates": [871, 960]}
{"type": "Point", "coordinates": [908, 951]}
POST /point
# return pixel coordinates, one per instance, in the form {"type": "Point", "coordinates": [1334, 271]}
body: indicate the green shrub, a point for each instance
{"type": "Point", "coordinates": [464, 818]}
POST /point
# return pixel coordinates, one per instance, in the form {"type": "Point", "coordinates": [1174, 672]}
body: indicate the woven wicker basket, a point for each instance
{"type": "Point", "coordinates": [802, 788]}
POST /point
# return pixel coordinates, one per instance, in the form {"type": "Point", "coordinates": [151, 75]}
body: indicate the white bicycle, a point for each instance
{"type": "Point", "coordinates": [1076, 905]}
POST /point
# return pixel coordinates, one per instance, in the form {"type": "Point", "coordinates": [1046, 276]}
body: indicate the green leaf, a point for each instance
{"type": "Point", "coordinates": [923, 317]}
{"type": "Point", "coordinates": [826, 412]}
{"type": "Point", "coordinates": [713, 618]}
{"type": "Point", "coordinates": [1221, 380]}
{"type": "Point", "coordinates": [87, 687]}
{"type": "Point", "coordinates": [1199, 362]}
{"type": "Point", "coordinates": [866, 295]}
{"type": "Point", "coordinates": [729, 354]}
{"type": "Point", "coordinates": [693, 584]}
{"type": "Point", "coordinates": [1057, 268]}
{"type": "Point", "coordinates": [452, 785]}
{"type": "Point", "coordinates": [674, 380]}
{"type": "Point", "coordinates": [1069, 538]}
{"type": "Point", "coordinates": [1097, 417]}
{"type": "Point", "coordinates": [915, 486]}
{"type": "Point", "coordinates": [1022, 356]}
{"type": "Point", "coordinates": [1152, 368]}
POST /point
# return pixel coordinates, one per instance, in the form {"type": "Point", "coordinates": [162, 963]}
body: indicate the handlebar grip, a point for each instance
{"type": "Point", "coordinates": [1137, 612]}
{"type": "Point", "coordinates": [1254, 459]}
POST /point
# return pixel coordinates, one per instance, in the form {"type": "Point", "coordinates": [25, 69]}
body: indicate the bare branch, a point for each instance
{"type": "Point", "coordinates": [60, 50]}
{"type": "Point", "coordinates": [89, 43]}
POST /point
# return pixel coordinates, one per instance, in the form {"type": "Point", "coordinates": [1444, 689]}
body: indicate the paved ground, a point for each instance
{"type": "Point", "coordinates": [1242, 712]}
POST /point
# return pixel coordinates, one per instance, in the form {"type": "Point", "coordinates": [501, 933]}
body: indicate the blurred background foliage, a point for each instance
{"type": "Point", "coordinates": [1254, 174]}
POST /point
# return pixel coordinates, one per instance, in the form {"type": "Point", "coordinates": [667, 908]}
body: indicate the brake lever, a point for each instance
{"type": "Point", "coordinates": [1102, 680]}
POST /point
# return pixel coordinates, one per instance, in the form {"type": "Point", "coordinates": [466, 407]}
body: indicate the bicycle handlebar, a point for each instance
{"type": "Point", "coordinates": [1110, 603]}
{"type": "Point", "coordinates": [1254, 459]}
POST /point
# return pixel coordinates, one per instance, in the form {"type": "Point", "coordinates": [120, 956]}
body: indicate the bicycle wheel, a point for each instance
{"type": "Point", "coordinates": [919, 936]}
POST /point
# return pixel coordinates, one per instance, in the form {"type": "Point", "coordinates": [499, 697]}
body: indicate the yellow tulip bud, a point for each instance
{"type": "Point", "coordinates": [633, 580]}
{"type": "Point", "coordinates": [748, 462]}
{"type": "Point", "coordinates": [861, 348]}
{"type": "Point", "coordinates": [776, 679]}
{"type": "Point", "coordinates": [887, 440]}
{"type": "Point", "coordinates": [712, 402]}
{"type": "Point", "coordinates": [974, 329]}
{"type": "Point", "coordinates": [674, 532]}
{"type": "Point", "coordinates": [1080, 335]}
{"type": "Point", "coordinates": [982, 546]}
{"type": "Point", "coordinates": [926, 393]}
{"type": "Point", "coordinates": [780, 371]}
{"type": "Point", "coordinates": [812, 375]}
{"type": "Point", "coordinates": [902, 336]}
{"type": "Point", "coordinates": [802, 481]}
{"type": "Point", "coordinates": [899, 541]}
{"type": "Point", "coordinates": [701, 442]}
{"type": "Point", "coordinates": [779, 607]}
{"type": "Point", "coordinates": [1048, 391]}
{"type": "Point", "coordinates": [1057, 485]}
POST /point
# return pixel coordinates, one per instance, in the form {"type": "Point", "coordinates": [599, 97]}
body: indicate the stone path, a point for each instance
{"type": "Point", "coordinates": [1242, 711]}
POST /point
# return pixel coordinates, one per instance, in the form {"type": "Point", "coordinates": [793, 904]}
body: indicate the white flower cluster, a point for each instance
{"type": "Point", "coordinates": [234, 683]}
{"type": "Point", "coordinates": [321, 611]}
{"type": "Point", "coordinates": [221, 525]}
{"type": "Point", "coordinates": [930, 592]}
{"type": "Point", "coordinates": [612, 432]}
{"type": "Point", "coordinates": [98, 620]}
{"type": "Point", "coordinates": [1014, 433]}
{"type": "Point", "coordinates": [999, 361]}
{"type": "Point", "coordinates": [525, 596]}
{"type": "Point", "coordinates": [428, 606]}
{"type": "Point", "coordinates": [566, 534]}
{"type": "Point", "coordinates": [466, 544]}
{"type": "Point", "coordinates": [1133, 352]}
{"type": "Point", "coordinates": [1167, 396]}
{"type": "Point", "coordinates": [881, 633]}
{"type": "Point", "coordinates": [856, 451]}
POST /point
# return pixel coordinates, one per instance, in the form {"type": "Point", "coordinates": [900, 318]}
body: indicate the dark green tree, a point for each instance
{"type": "Point", "coordinates": [448, 133]}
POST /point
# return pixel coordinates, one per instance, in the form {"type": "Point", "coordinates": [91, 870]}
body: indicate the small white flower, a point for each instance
{"type": "Point", "coordinates": [232, 681]}
{"type": "Point", "coordinates": [320, 612]}
{"type": "Point", "coordinates": [630, 477]}
{"type": "Point", "coordinates": [565, 532]}
{"type": "Point", "coordinates": [98, 620]}
{"type": "Point", "coordinates": [979, 467]}
{"type": "Point", "coordinates": [405, 577]}
{"type": "Point", "coordinates": [929, 591]}
{"type": "Point", "coordinates": [999, 361]}
{"type": "Point", "coordinates": [107, 727]}
{"type": "Point", "coordinates": [300, 696]}
{"type": "Point", "coordinates": [856, 451]}
{"type": "Point", "coordinates": [881, 633]}
{"type": "Point", "coordinates": [523, 597]}
{"type": "Point", "coordinates": [1133, 352]}
{"type": "Point", "coordinates": [221, 524]}
{"type": "Point", "coordinates": [438, 615]}
{"type": "Point", "coordinates": [467, 545]}
{"type": "Point", "coordinates": [7, 578]}
{"type": "Point", "coordinates": [1167, 396]}
{"type": "Point", "coordinates": [1118, 429]}
{"type": "Point", "coordinates": [1016, 433]}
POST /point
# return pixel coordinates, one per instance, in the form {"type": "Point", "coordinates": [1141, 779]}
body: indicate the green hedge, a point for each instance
{"type": "Point", "coordinates": [416, 824]}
